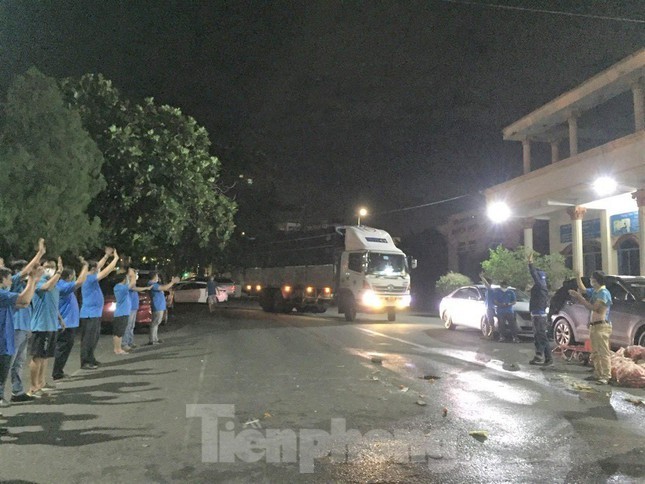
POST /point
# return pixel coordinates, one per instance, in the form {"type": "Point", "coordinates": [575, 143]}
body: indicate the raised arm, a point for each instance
{"type": "Point", "coordinates": [82, 276]}
{"type": "Point", "coordinates": [108, 252]}
{"type": "Point", "coordinates": [53, 280]}
{"type": "Point", "coordinates": [36, 260]}
{"type": "Point", "coordinates": [132, 278]}
{"type": "Point", "coordinates": [581, 286]}
{"type": "Point", "coordinates": [172, 282]}
{"type": "Point", "coordinates": [484, 280]}
{"type": "Point", "coordinates": [25, 297]}
{"type": "Point", "coordinates": [104, 272]}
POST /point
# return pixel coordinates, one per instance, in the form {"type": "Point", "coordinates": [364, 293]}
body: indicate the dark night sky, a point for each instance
{"type": "Point", "coordinates": [381, 103]}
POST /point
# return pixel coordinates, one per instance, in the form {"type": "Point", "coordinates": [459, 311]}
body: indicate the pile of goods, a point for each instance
{"type": "Point", "coordinates": [628, 367]}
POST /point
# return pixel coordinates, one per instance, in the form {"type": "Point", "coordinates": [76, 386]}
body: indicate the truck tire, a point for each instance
{"type": "Point", "coordinates": [391, 315]}
{"type": "Point", "coordinates": [278, 302]}
{"type": "Point", "coordinates": [350, 311]}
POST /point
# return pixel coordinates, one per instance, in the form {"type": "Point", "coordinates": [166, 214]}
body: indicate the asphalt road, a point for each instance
{"type": "Point", "coordinates": [245, 396]}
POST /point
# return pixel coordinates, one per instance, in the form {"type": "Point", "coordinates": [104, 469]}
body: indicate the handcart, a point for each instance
{"type": "Point", "coordinates": [575, 352]}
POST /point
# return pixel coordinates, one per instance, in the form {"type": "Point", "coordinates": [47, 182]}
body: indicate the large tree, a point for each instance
{"type": "Point", "coordinates": [51, 170]}
{"type": "Point", "coordinates": [163, 197]}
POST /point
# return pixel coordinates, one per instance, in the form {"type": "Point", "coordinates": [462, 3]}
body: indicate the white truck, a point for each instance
{"type": "Point", "coordinates": [358, 267]}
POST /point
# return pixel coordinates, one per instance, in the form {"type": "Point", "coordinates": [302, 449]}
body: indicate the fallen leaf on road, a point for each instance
{"type": "Point", "coordinates": [581, 387]}
{"type": "Point", "coordinates": [375, 378]}
{"type": "Point", "coordinates": [480, 435]}
{"type": "Point", "coordinates": [430, 377]}
{"type": "Point", "coordinates": [378, 360]}
{"type": "Point", "coordinates": [445, 412]}
{"type": "Point", "coordinates": [267, 415]}
{"type": "Point", "coordinates": [635, 401]}
{"type": "Point", "coordinates": [421, 402]}
{"type": "Point", "coordinates": [404, 389]}
{"type": "Point", "coordinates": [511, 366]}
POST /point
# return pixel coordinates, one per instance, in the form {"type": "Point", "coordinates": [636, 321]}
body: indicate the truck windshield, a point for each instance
{"type": "Point", "coordinates": [386, 264]}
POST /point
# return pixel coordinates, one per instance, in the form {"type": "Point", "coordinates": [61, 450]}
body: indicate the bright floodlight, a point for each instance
{"type": "Point", "coordinates": [498, 212]}
{"type": "Point", "coordinates": [362, 212]}
{"type": "Point", "coordinates": [604, 185]}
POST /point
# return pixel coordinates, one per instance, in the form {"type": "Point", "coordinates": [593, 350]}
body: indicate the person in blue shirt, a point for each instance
{"type": "Point", "coordinates": [128, 337]}
{"type": "Point", "coordinates": [21, 326]}
{"type": "Point", "coordinates": [9, 301]}
{"type": "Point", "coordinates": [70, 313]}
{"type": "Point", "coordinates": [505, 298]}
{"type": "Point", "coordinates": [92, 307]}
{"type": "Point", "coordinates": [122, 311]}
{"type": "Point", "coordinates": [44, 324]}
{"type": "Point", "coordinates": [211, 287]}
{"type": "Point", "coordinates": [158, 304]}
{"type": "Point", "coordinates": [599, 305]}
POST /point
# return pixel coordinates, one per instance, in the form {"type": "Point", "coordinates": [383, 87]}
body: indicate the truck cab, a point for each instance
{"type": "Point", "coordinates": [373, 275]}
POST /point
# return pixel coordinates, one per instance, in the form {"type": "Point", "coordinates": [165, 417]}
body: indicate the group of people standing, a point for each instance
{"type": "Point", "coordinates": [500, 302]}
{"type": "Point", "coordinates": [39, 310]}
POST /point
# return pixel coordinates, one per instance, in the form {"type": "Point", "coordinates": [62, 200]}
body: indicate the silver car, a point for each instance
{"type": "Point", "coordinates": [627, 315]}
{"type": "Point", "coordinates": [466, 307]}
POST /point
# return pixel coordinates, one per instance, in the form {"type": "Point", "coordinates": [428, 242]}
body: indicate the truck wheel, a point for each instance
{"type": "Point", "coordinates": [350, 311]}
{"type": "Point", "coordinates": [391, 315]}
{"type": "Point", "coordinates": [266, 300]}
{"type": "Point", "coordinates": [278, 302]}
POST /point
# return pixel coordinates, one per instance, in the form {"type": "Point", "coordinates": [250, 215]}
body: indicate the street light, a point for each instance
{"type": "Point", "coordinates": [361, 213]}
{"type": "Point", "coordinates": [498, 212]}
{"type": "Point", "coordinates": [604, 185]}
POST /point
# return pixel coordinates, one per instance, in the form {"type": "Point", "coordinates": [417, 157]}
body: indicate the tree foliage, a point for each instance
{"type": "Point", "coordinates": [162, 196]}
{"type": "Point", "coordinates": [511, 266]}
{"type": "Point", "coordinates": [51, 170]}
{"type": "Point", "coordinates": [451, 281]}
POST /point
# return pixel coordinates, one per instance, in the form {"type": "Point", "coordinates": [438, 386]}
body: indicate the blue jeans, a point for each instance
{"type": "Point", "coordinates": [128, 336]}
{"type": "Point", "coordinates": [542, 346]}
{"type": "Point", "coordinates": [21, 339]}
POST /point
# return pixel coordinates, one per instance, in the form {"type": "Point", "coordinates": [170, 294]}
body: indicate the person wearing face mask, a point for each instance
{"type": "Point", "coordinates": [69, 311]}
{"type": "Point", "coordinates": [44, 324]}
{"type": "Point", "coordinates": [128, 336]}
{"type": "Point", "coordinates": [21, 327]}
{"type": "Point", "coordinates": [158, 304]}
{"type": "Point", "coordinates": [9, 301]}
{"type": "Point", "coordinates": [505, 299]}
{"type": "Point", "coordinates": [92, 307]}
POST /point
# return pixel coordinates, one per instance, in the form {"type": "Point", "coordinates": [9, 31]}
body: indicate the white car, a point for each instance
{"type": "Point", "coordinates": [466, 307]}
{"type": "Point", "coordinates": [190, 292]}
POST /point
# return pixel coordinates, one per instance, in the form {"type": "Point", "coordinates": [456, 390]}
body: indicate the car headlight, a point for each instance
{"type": "Point", "coordinates": [404, 302]}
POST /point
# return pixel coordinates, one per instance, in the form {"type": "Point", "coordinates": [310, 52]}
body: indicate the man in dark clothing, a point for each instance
{"type": "Point", "coordinates": [505, 298]}
{"type": "Point", "coordinates": [537, 307]}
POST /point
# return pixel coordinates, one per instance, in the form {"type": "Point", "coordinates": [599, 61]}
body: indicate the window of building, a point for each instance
{"type": "Point", "coordinates": [629, 258]}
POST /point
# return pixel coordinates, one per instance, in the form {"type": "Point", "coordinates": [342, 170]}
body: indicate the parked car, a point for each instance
{"type": "Point", "coordinates": [144, 313]}
{"type": "Point", "coordinates": [466, 307]}
{"type": "Point", "coordinates": [232, 289]}
{"type": "Point", "coordinates": [627, 315]}
{"type": "Point", "coordinates": [190, 292]}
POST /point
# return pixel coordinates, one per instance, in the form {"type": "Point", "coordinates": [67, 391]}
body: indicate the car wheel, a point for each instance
{"type": "Point", "coordinates": [562, 333]}
{"type": "Point", "coordinates": [487, 329]}
{"type": "Point", "coordinates": [640, 338]}
{"type": "Point", "coordinates": [447, 321]}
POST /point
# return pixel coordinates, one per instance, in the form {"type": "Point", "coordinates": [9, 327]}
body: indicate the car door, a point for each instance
{"type": "Point", "coordinates": [188, 292]}
{"type": "Point", "coordinates": [624, 308]}
{"type": "Point", "coordinates": [464, 304]}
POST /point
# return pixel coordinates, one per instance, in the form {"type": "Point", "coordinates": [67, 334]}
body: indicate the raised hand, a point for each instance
{"type": "Point", "coordinates": [175, 280]}
{"type": "Point", "coordinates": [41, 246]}
{"type": "Point", "coordinates": [82, 260]}
{"type": "Point", "coordinates": [109, 250]}
{"type": "Point", "coordinates": [37, 272]}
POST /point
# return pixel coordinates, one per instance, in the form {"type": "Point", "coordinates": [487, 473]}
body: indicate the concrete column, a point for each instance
{"type": "Point", "coordinates": [639, 196]}
{"type": "Point", "coordinates": [577, 214]}
{"type": "Point", "coordinates": [555, 151]}
{"type": "Point", "coordinates": [527, 225]}
{"type": "Point", "coordinates": [639, 105]}
{"type": "Point", "coordinates": [607, 251]}
{"type": "Point", "coordinates": [526, 155]}
{"type": "Point", "coordinates": [573, 135]}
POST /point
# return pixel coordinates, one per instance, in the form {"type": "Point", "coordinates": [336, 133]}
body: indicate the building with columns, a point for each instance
{"type": "Point", "coordinates": [593, 197]}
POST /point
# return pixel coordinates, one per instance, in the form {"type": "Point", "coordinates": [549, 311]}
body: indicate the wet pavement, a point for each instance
{"type": "Point", "coordinates": [245, 396]}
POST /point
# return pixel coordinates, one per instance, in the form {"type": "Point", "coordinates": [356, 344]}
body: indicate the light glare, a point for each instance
{"type": "Point", "coordinates": [498, 212]}
{"type": "Point", "coordinates": [604, 185]}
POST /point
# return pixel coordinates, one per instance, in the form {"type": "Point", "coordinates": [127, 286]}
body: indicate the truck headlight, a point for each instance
{"type": "Point", "coordinates": [404, 302]}
{"type": "Point", "coordinates": [370, 299]}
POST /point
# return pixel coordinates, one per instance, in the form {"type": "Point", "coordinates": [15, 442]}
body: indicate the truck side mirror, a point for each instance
{"type": "Point", "coordinates": [413, 263]}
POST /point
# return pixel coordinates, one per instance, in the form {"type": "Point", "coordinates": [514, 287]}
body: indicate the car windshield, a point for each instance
{"type": "Point", "coordinates": [521, 296]}
{"type": "Point", "coordinates": [386, 264]}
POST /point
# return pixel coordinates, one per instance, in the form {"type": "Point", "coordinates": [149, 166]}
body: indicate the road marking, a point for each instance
{"type": "Point", "coordinates": [200, 381]}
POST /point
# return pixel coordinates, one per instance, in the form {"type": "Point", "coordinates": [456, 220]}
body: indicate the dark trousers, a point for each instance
{"type": "Point", "coordinates": [5, 366]}
{"type": "Point", "coordinates": [90, 332]}
{"type": "Point", "coordinates": [542, 346]}
{"type": "Point", "coordinates": [507, 325]}
{"type": "Point", "coordinates": [64, 345]}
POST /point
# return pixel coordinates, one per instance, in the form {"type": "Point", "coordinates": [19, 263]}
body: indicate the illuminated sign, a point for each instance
{"type": "Point", "coordinates": [624, 223]}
